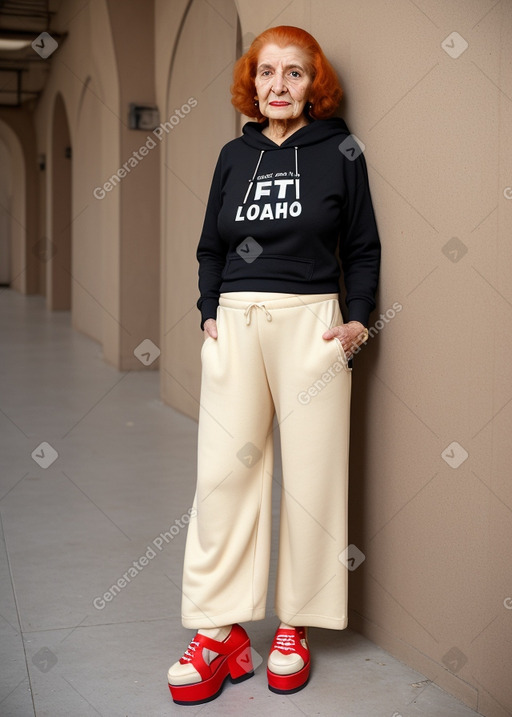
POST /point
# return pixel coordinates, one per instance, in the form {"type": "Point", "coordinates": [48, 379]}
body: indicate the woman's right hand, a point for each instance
{"type": "Point", "coordinates": [210, 329]}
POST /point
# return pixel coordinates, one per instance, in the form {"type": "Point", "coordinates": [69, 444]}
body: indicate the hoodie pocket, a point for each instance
{"type": "Point", "coordinates": [276, 266]}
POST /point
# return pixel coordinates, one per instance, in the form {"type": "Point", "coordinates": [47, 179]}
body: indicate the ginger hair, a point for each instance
{"type": "Point", "coordinates": [325, 93]}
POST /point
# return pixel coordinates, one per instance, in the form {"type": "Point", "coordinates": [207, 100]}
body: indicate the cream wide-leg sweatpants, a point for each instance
{"type": "Point", "coordinates": [270, 357]}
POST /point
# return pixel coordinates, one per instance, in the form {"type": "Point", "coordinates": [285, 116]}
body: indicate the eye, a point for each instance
{"type": "Point", "coordinates": [265, 73]}
{"type": "Point", "coordinates": [295, 74]}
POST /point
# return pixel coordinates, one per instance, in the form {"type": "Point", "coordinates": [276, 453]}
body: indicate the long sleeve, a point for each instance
{"type": "Point", "coordinates": [211, 252]}
{"type": "Point", "coordinates": [360, 245]}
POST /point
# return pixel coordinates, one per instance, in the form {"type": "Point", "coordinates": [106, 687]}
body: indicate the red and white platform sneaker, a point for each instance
{"type": "Point", "coordinates": [232, 659]}
{"type": "Point", "coordinates": [289, 661]}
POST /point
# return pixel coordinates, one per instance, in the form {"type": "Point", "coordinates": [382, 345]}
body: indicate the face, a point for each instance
{"type": "Point", "coordinates": [282, 82]}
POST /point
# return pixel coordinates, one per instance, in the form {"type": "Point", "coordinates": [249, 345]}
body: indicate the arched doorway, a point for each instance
{"type": "Point", "coordinates": [5, 214]}
{"type": "Point", "coordinates": [200, 119]}
{"type": "Point", "coordinates": [13, 223]}
{"type": "Point", "coordinates": [58, 295]}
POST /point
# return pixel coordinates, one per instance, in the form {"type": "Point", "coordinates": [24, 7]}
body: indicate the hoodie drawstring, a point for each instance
{"type": "Point", "coordinates": [251, 181]}
{"type": "Point", "coordinates": [297, 175]}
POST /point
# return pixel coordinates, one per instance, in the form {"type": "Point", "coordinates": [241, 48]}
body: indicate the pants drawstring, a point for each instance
{"type": "Point", "coordinates": [247, 312]}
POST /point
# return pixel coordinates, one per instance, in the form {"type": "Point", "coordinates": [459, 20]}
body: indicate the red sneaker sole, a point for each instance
{"type": "Point", "coordinates": [288, 684]}
{"type": "Point", "coordinates": [211, 697]}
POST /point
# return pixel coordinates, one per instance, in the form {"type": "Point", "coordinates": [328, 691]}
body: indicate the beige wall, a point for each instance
{"type": "Point", "coordinates": [437, 131]}
{"type": "Point", "coordinates": [436, 580]}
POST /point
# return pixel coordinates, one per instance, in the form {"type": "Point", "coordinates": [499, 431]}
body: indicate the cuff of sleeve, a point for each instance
{"type": "Point", "coordinates": [208, 310]}
{"type": "Point", "coordinates": [359, 310]}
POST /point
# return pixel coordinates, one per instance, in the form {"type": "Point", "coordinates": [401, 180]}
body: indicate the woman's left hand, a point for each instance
{"type": "Point", "coordinates": [351, 336]}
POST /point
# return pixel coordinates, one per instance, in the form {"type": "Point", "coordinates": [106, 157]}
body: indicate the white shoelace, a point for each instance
{"type": "Point", "coordinates": [190, 651]}
{"type": "Point", "coordinates": [285, 643]}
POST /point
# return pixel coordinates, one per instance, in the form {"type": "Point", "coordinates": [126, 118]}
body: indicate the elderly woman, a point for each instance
{"type": "Point", "coordinates": [287, 199]}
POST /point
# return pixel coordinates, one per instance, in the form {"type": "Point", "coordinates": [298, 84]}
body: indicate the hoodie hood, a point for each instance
{"type": "Point", "coordinates": [316, 131]}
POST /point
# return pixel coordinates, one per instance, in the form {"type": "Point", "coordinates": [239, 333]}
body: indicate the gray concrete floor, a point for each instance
{"type": "Point", "coordinates": [123, 474]}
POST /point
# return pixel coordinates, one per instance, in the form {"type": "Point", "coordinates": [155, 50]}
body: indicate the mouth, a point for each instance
{"type": "Point", "coordinates": [279, 103]}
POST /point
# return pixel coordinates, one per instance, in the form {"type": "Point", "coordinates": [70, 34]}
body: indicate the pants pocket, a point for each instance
{"type": "Point", "coordinates": [206, 341]}
{"type": "Point", "coordinates": [342, 355]}
{"type": "Point", "coordinates": [337, 320]}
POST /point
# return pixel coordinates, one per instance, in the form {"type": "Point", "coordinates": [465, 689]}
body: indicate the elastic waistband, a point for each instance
{"type": "Point", "coordinates": [243, 299]}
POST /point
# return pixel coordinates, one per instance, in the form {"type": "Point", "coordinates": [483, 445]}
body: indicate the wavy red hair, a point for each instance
{"type": "Point", "coordinates": [325, 93]}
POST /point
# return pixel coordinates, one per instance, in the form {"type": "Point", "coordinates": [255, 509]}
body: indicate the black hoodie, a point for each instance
{"type": "Point", "coordinates": [277, 213]}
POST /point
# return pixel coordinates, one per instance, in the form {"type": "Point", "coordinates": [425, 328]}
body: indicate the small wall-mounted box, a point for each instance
{"type": "Point", "coordinates": [143, 117]}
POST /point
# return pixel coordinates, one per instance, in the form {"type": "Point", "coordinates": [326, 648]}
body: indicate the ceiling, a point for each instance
{"type": "Point", "coordinates": [23, 72]}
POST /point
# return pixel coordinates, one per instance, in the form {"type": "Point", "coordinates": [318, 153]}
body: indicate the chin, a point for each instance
{"type": "Point", "coordinates": [282, 115]}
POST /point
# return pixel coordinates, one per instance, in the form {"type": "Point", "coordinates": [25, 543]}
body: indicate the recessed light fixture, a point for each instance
{"type": "Point", "coordinates": [13, 44]}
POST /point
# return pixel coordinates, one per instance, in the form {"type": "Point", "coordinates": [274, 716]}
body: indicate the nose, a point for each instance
{"type": "Point", "coordinates": [278, 84]}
